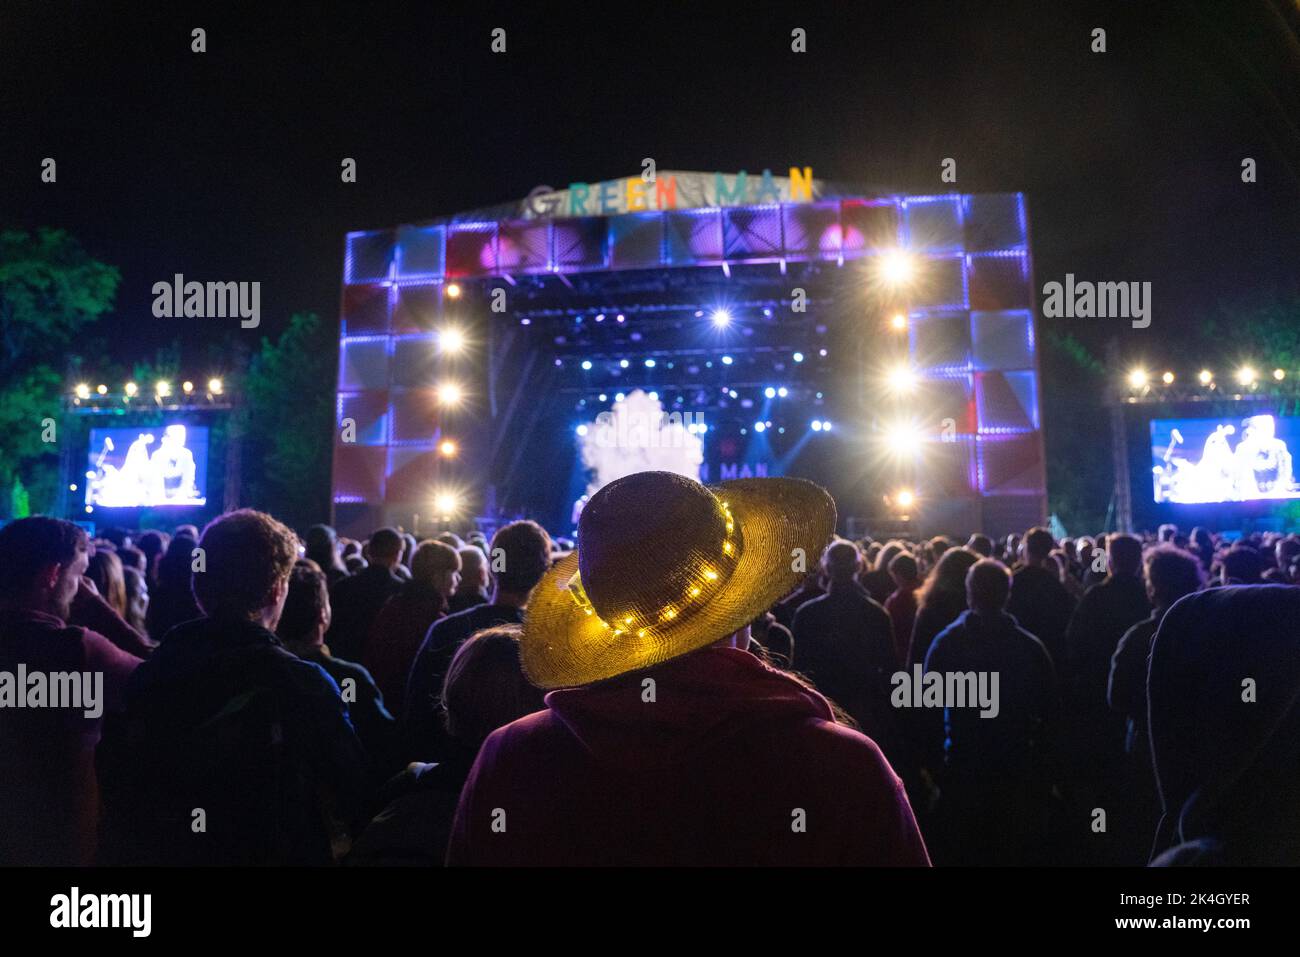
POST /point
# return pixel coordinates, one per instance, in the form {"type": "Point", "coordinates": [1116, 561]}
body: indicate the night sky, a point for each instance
{"type": "Point", "coordinates": [225, 165]}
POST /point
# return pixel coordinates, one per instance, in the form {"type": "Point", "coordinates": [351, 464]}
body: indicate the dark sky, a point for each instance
{"type": "Point", "coordinates": [225, 165]}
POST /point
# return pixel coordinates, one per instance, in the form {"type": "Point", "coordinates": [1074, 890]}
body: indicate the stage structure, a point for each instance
{"type": "Point", "coordinates": [881, 344]}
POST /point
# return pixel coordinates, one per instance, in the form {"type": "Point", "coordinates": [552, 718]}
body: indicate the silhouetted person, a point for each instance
{"type": "Point", "coordinates": [357, 600]}
{"type": "Point", "coordinates": [323, 548]}
{"type": "Point", "coordinates": [901, 605]}
{"type": "Point", "coordinates": [996, 783]}
{"type": "Point", "coordinates": [1039, 602]}
{"type": "Point", "coordinates": [171, 600]}
{"type": "Point", "coordinates": [473, 587]}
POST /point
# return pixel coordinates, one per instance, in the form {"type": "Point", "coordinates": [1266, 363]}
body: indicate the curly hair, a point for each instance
{"type": "Point", "coordinates": [246, 555]}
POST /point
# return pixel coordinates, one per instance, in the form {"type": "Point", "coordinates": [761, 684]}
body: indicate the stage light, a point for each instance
{"type": "Point", "coordinates": [903, 439]}
{"type": "Point", "coordinates": [702, 428]}
{"type": "Point", "coordinates": [902, 379]}
{"type": "Point", "coordinates": [131, 388]}
{"type": "Point", "coordinates": [760, 426]}
{"type": "Point", "coordinates": [782, 392]}
{"type": "Point", "coordinates": [1206, 377]}
{"type": "Point", "coordinates": [600, 317]}
{"type": "Point", "coordinates": [620, 318]}
{"type": "Point", "coordinates": [619, 397]}
{"type": "Point", "coordinates": [452, 290]}
{"type": "Point", "coordinates": [447, 449]}
{"type": "Point", "coordinates": [654, 395]}
{"type": "Point", "coordinates": [622, 363]}
{"type": "Point", "coordinates": [163, 388]}
{"type": "Point", "coordinates": [816, 425]}
{"type": "Point", "coordinates": [798, 357]}
{"type": "Point", "coordinates": [449, 393]}
{"type": "Point", "coordinates": [83, 391]}
{"type": "Point", "coordinates": [187, 386]}
{"type": "Point", "coordinates": [446, 503]}
{"type": "Point", "coordinates": [734, 394]}
{"type": "Point", "coordinates": [215, 386]}
{"type": "Point", "coordinates": [451, 341]}
{"type": "Point", "coordinates": [101, 389]}
{"type": "Point", "coordinates": [1279, 374]}
{"type": "Point", "coordinates": [904, 498]}
{"type": "Point", "coordinates": [1167, 378]}
{"type": "Point", "coordinates": [770, 392]}
{"type": "Point", "coordinates": [721, 318]}
{"type": "Point", "coordinates": [897, 267]}
{"type": "Point", "coordinates": [899, 321]}
{"type": "Point", "coordinates": [1137, 378]}
{"type": "Point", "coordinates": [1246, 375]}
{"type": "Point", "coordinates": [727, 360]}
{"type": "Point", "coordinates": [602, 397]}
{"type": "Point", "coordinates": [72, 487]}
{"type": "Point", "coordinates": [586, 365]}
{"type": "Point", "coordinates": [649, 363]}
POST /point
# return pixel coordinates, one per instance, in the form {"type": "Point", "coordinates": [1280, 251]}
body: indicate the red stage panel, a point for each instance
{"type": "Point", "coordinates": [412, 475]}
{"type": "Point", "coordinates": [416, 308]}
{"type": "Point", "coordinates": [365, 310]}
{"type": "Point", "coordinates": [359, 472]}
{"type": "Point", "coordinates": [867, 227]}
{"type": "Point", "coordinates": [523, 247]}
{"type": "Point", "coordinates": [1011, 464]}
{"type": "Point", "coordinates": [369, 414]}
{"type": "Point", "coordinates": [999, 282]}
{"type": "Point", "coordinates": [471, 249]}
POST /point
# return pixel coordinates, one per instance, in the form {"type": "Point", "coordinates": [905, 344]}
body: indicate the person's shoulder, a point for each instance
{"type": "Point", "coordinates": [838, 750]}
{"type": "Point", "coordinates": [351, 669]}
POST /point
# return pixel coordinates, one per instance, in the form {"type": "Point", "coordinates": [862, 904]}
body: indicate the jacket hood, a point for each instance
{"type": "Point", "coordinates": [699, 699]}
{"type": "Point", "coordinates": [1225, 715]}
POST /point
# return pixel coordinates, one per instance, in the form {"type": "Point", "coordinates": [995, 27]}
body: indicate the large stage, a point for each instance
{"type": "Point", "coordinates": [882, 345]}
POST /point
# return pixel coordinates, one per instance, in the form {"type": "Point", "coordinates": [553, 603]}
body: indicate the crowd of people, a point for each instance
{"type": "Point", "coordinates": [708, 676]}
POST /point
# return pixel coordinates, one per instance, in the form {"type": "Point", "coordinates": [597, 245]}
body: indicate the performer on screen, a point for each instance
{"type": "Point", "coordinates": [1263, 462]}
{"type": "Point", "coordinates": [171, 468]}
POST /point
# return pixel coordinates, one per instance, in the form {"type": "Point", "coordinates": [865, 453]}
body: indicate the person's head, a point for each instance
{"type": "Point", "coordinates": [1167, 532]}
{"type": "Point", "coordinates": [132, 557]}
{"type": "Point", "coordinates": [409, 545]}
{"type": "Point", "coordinates": [1242, 565]}
{"type": "Point", "coordinates": [485, 687]}
{"type": "Point", "coordinates": [1171, 573]}
{"type": "Point", "coordinates": [904, 571]}
{"type": "Point", "coordinates": [174, 568]}
{"type": "Point", "coordinates": [438, 566]}
{"type": "Point", "coordinates": [306, 615]}
{"type": "Point", "coordinates": [520, 555]}
{"type": "Point", "coordinates": [450, 539]}
{"type": "Point", "coordinates": [173, 437]}
{"type": "Point", "coordinates": [473, 569]}
{"type": "Point", "coordinates": [947, 580]}
{"type": "Point", "coordinates": [247, 559]}
{"type": "Point", "coordinates": [886, 555]}
{"type": "Point", "coordinates": [153, 544]}
{"type": "Point", "coordinates": [980, 544]}
{"type": "Point", "coordinates": [120, 537]}
{"type": "Point", "coordinates": [42, 560]}
{"type": "Point", "coordinates": [940, 544]}
{"type": "Point", "coordinates": [322, 546]}
{"type": "Point", "coordinates": [1125, 555]}
{"type": "Point", "coordinates": [1038, 544]}
{"type": "Point", "coordinates": [137, 598]}
{"type": "Point", "coordinates": [841, 561]}
{"type": "Point", "coordinates": [988, 586]}
{"type": "Point", "coordinates": [105, 570]}
{"type": "Point", "coordinates": [385, 547]}
{"type": "Point", "coordinates": [1285, 553]}
{"type": "Point", "coordinates": [189, 531]}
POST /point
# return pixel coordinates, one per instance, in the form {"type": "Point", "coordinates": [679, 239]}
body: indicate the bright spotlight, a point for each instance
{"type": "Point", "coordinates": [130, 388]}
{"type": "Point", "coordinates": [215, 386]}
{"type": "Point", "coordinates": [727, 360]}
{"type": "Point", "coordinates": [899, 321]}
{"type": "Point", "coordinates": [1279, 374]}
{"type": "Point", "coordinates": [782, 392]}
{"type": "Point", "coordinates": [798, 357]}
{"type": "Point", "coordinates": [1246, 375]}
{"type": "Point", "coordinates": [163, 388]}
{"type": "Point", "coordinates": [816, 425]}
{"type": "Point", "coordinates": [101, 389]}
{"type": "Point", "coordinates": [1137, 378]}
{"type": "Point", "coordinates": [760, 426]}
{"type": "Point", "coordinates": [586, 365]}
{"type": "Point", "coordinates": [446, 503]}
{"type": "Point", "coordinates": [1205, 376]}
{"type": "Point", "coordinates": [452, 290]}
{"type": "Point", "coordinates": [83, 391]}
{"type": "Point", "coordinates": [451, 341]}
{"type": "Point", "coordinates": [622, 363]}
{"type": "Point", "coordinates": [903, 439]}
{"type": "Point", "coordinates": [449, 393]}
{"type": "Point", "coordinates": [649, 363]}
{"type": "Point", "coordinates": [902, 379]}
{"type": "Point", "coordinates": [897, 267]}
{"type": "Point", "coordinates": [721, 318]}
{"type": "Point", "coordinates": [904, 498]}
{"type": "Point", "coordinates": [1167, 378]}
{"type": "Point", "coordinates": [826, 425]}
{"type": "Point", "coordinates": [770, 392]}
{"type": "Point", "coordinates": [447, 449]}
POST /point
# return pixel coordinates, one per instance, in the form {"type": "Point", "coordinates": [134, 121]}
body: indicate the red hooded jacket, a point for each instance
{"type": "Point", "coordinates": [723, 761]}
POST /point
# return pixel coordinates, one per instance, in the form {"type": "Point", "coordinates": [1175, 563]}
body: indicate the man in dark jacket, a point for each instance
{"type": "Point", "coordinates": [357, 599]}
{"type": "Point", "coordinates": [521, 554]}
{"type": "Point", "coordinates": [845, 644]}
{"type": "Point", "coordinates": [996, 780]}
{"type": "Point", "coordinates": [232, 750]}
{"type": "Point", "coordinates": [664, 742]}
{"type": "Point", "coordinates": [1039, 602]}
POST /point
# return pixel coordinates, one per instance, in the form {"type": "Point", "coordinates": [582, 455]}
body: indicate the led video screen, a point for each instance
{"type": "Point", "coordinates": [1230, 459]}
{"type": "Point", "coordinates": [150, 466]}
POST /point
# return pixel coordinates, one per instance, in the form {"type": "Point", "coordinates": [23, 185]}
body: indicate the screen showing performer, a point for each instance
{"type": "Point", "coordinates": [147, 466]}
{"type": "Point", "coordinates": [1223, 460]}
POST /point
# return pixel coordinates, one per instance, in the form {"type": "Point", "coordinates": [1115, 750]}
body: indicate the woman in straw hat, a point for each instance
{"type": "Point", "coordinates": [664, 741]}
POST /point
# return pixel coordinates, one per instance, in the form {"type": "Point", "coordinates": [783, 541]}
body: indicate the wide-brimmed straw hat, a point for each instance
{"type": "Point", "coordinates": [665, 566]}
